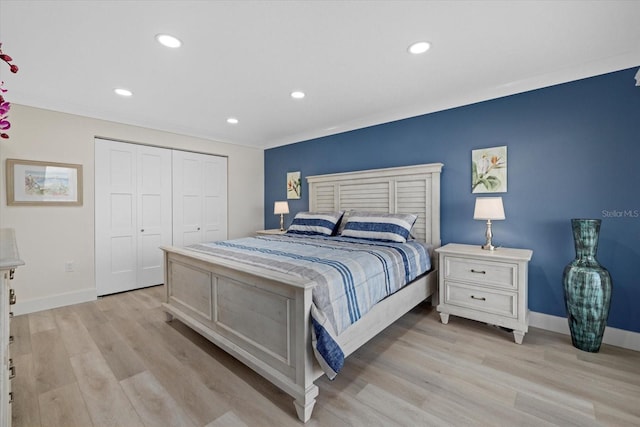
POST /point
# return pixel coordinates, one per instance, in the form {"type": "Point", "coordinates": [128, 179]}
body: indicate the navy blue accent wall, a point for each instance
{"type": "Point", "coordinates": [573, 151]}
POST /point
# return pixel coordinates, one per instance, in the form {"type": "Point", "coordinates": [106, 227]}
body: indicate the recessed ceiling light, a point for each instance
{"type": "Point", "coordinates": [419, 47]}
{"type": "Point", "coordinates": [232, 121]}
{"type": "Point", "coordinates": [297, 94]}
{"type": "Point", "coordinates": [123, 92]}
{"type": "Point", "coordinates": [168, 41]}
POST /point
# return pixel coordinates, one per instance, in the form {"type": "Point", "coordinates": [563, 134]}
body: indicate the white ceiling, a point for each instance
{"type": "Point", "coordinates": [243, 58]}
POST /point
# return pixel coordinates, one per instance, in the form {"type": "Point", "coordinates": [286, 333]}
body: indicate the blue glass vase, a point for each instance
{"type": "Point", "coordinates": [587, 288]}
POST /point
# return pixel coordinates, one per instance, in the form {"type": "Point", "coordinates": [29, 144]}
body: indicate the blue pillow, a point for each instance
{"type": "Point", "coordinates": [379, 226]}
{"type": "Point", "coordinates": [315, 223]}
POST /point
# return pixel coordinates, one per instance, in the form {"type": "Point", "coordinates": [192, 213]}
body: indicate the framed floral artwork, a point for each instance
{"type": "Point", "coordinates": [489, 170]}
{"type": "Point", "coordinates": [293, 185]}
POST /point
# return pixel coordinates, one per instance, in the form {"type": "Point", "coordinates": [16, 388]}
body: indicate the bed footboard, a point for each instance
{"type": "Point", "coordinates": [261, 321]}
{"type": "Point", "coordinates": [263, 318]}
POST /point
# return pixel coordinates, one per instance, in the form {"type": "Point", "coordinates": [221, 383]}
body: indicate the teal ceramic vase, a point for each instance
{"type": "Point", "coordinates": [587, 288]}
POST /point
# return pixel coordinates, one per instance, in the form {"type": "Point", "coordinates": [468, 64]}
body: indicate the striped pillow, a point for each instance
{"type": "Point", "coordinates": [379, 226]}
{"type": "Point", "coordinates": [310, 223]}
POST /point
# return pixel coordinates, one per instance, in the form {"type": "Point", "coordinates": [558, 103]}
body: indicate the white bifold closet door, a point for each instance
{"type": "Point", "coordinates": [199, 198]}
{"type": "Point", "coordinates": [133, 214]}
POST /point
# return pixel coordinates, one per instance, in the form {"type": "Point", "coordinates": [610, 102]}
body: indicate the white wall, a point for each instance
{"type": "Point", "coordinates": [48, 237]}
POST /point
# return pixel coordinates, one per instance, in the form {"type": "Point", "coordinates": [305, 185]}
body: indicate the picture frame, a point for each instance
{"type": "Point", "coordinates": [489, 170]}
{"type": "Point", "coordinates": [38, 183]}
{"type": "Point", "coordinates": [294, 185]}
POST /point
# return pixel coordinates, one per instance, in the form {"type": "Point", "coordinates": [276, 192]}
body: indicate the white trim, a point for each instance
{"type": "Point", "coordinates": [462, 98]}
{"type": "Point", "coordinates": [612, 336]}
{"type": "Point", "coordinates": [54, 301]}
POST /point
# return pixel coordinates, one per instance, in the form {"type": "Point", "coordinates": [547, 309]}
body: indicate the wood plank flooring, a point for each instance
{"type": "Point", "coordinates": [117, 362]}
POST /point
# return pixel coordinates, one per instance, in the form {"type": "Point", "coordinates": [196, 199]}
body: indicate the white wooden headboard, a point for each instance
{"type": "Point", "coordinates": [408, 189]}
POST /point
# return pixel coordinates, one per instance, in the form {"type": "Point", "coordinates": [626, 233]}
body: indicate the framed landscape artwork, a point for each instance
{"type": "Point", "coordinates": [35, 183]}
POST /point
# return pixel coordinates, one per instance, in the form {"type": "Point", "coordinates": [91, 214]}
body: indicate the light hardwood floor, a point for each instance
{"type": "Point", "coordinates": [116, 362]}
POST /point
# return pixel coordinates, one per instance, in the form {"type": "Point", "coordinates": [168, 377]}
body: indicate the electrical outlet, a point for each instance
{"type": "Point", "coordinates": [68, 266]}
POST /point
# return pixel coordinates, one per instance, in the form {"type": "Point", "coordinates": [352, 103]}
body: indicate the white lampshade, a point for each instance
{"type": "Point", "coordinates": [489, 208]}
{"type": "Point", "coordinates": [280, 208]}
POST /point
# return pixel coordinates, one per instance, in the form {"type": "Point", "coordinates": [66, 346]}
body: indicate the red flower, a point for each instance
{"type": "Point", "coordinates": [6, 58]}
{"type": "Point", "coordinates": [4, 105]}
{"type": "Point", "coordinates": [4, 109]}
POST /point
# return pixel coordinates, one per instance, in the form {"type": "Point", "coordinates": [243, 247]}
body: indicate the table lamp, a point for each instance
{"type": "Point", "coordinates": [489, 208]}
{"type": "Point", "coordinates": [281, 208]}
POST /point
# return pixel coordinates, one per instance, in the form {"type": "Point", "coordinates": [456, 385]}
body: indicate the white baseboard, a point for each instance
{"type": "Point", "coordinates": [39, 304]}
{"type": "Point", "coordinates": [612, 336]}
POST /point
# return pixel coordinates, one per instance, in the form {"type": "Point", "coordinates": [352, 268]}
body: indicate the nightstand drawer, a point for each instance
{"type": "Point", "coordinates": [479, 299]}
{"type": "Point", "coordinates": [483, 272]}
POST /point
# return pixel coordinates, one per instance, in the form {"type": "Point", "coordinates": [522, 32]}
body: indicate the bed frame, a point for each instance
{"type": "Point", "coordinates": [262, 317]}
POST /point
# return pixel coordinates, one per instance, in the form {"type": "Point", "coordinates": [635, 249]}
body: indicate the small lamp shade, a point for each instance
{"type": "Point", "coordinates": [281, 208]}
{"type": "Point", "coordinates": [489, 208]}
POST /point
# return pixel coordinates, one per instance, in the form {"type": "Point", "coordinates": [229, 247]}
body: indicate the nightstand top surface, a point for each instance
{"type": "Point", "coordinates": [271, 231]}
{"type": "Point", "coordinates": [476, 251]}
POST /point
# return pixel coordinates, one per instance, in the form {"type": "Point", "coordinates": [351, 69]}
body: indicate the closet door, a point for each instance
{"type": "Point", "coordinates": [116, 213]}
{"type": "Point", "coordinates": [199, 198]}
{"type": "Point", "coordinates": [154, 213]}
{"type": "Point", "coordinates": [214, 202]}
{"type": "Point", "coordinates": [132, 213]}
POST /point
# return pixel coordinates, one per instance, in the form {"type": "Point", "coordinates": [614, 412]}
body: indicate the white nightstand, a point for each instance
{"type": "Point", "coordinates": [488, 286]}
{"type": "Point", "coordinates": [271, 232]}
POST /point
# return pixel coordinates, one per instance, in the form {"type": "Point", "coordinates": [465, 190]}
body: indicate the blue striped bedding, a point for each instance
{"type": "Point", "coordinates": [352, 275]}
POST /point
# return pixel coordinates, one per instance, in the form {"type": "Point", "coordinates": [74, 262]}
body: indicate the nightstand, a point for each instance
{"type": "Point", "coordinates": [271, 232]}
{"type": "Point", "coordinates": [488, 286]}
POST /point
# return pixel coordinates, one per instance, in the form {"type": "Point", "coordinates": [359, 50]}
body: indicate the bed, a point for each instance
{"type": "Point", "coordinates": [263, 316]}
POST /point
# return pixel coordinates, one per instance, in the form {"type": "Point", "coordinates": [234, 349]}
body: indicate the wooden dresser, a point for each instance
{"type": "Point", "coordinates": [9, 261]}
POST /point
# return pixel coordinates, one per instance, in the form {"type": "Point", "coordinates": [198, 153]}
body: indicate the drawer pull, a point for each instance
{"type": "Point", "coordinates": [12, 372]}
{"type": "Point", "coordinates": [478, 271]}
{"type": "Point", "coordinates": [478, 298]}
{"type": "Point", "coordinates": [10, 397]}
{"type": "Point", "coordinates": [12, 297]}
{"type": "Point", "coordinates": [11, 339]}
{"type": "Point", "coordinates": [11, 273]}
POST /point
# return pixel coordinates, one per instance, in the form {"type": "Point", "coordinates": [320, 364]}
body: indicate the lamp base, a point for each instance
{"type": "Point", "coordinates": [488, 246]}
